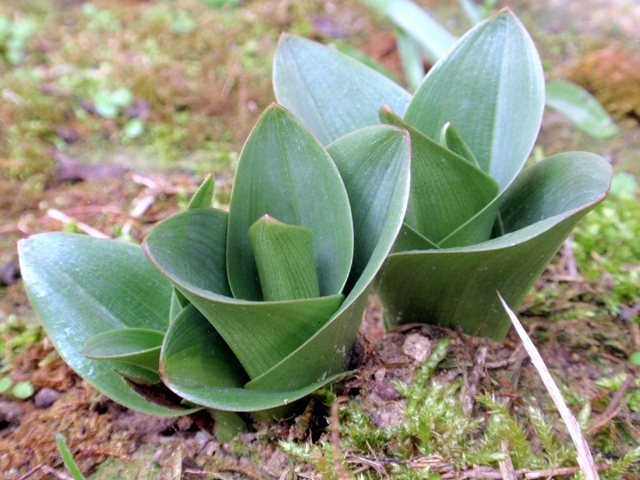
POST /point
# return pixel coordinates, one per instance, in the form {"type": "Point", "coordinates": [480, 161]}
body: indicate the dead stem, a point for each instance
{"type": "Point", "coordinates": [615, 406]}
{"type": "Point", "coordinates": [506, 465]}
{"type": "Point", "coordinates": [335, 437]}
{"type": "Point", "coordinates": [475, 376]}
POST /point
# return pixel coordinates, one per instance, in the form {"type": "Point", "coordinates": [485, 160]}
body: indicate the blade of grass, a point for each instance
{"type": "Point", "coordinates": [585, 459]}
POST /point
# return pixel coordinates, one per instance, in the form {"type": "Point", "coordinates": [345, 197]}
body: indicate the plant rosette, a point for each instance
{"type": "Point", "coordinates": [241, 311]}
{"type": "Point", "coordinates": [477, 222]}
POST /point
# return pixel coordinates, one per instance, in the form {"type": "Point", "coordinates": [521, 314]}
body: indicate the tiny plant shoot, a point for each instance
{"type": "Point", "coordinates": [477, 222]}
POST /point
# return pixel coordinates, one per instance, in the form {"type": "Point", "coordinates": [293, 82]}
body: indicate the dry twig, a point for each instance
{"type": "Point", "coordinates": [335, 437]}
{"type": "Point", "coordinates": [615, 405]}
{"type": "Point", "coordinates": [474, 378]}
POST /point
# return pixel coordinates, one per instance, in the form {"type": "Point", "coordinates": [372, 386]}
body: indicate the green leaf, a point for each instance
{"type": "Point", "coordinates": [284, 257]}
{"type": "Point", "coordinates": [374, 159]}
{"type": "Point", "coordinates": [330, 92]}
{"type": "Point", "coordinates": [67, 458]}
{"type": "Point", "coordinates": [450, 138]}
{"type": "Point", "coordinates": [193, 353]}
{"type": "Point", "coordinates": [411, 58]}
{"type": "Point", "coordinates": [82, 286]}
{"type": "Point", "coordinates": [446, 190]}
{"type": "Point", "coordinates": [138, 346]}
{"type": "Point", "coordinates": [284, 172]}
{"type": "Point", "coordinates": [431, 36]}
{"type": "Point", "coordinates": [197, 365]}
{"type": "Point", "coordinates": [377, 181]}
{"type": "Point", "coordinates": [203, 197]}
{"type": "Point", "coordinates": [133, 128]}
{"type": "Point", "coordinates": [491, 87]}
{"type": "Point", "coordinates": [579, 106]}
{"type": "Point", "coordinates": [259, 333]}
{"type": "Point", "coordinates": [5, 384]}
{"type": "Point", "coordinates": [191, 246]}
{"type": "Point", "coordinates": [457, 286]}
{"type": "Point", "coordinates": [22, 390]}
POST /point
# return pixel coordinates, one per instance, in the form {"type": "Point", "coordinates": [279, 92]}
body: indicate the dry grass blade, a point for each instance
{"type": "Point", "coordinates": [585, 459]}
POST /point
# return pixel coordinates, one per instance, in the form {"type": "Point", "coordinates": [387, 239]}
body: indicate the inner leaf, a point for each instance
{"type": "Point", "coordinates": [446, 189]}
{"type": "Point", "coordinates": [284, 256]}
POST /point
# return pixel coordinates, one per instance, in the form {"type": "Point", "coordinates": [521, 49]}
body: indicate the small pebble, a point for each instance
{"type": "Point", "coordinates": [380, 374]}
{"type": "Point", "coordinates": [10, 412]}
{"type": "Point", "coordinates": [417, 347]}
{"type": "Point", "coordinates": [46, 397]}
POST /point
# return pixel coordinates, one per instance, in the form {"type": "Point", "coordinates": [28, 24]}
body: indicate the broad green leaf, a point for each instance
{"type": "Point", "coordinates": [434, 39]}
{"type": "Point", "coordinates": [491, 87]}
{"type": "Point", "coordinates": [82, 286]}
{"type": "Point", "coordinates": [330, 92]}
{"type": "Point", "coordinates": [446, 190]}
{"type": "Point", "coordinates": [198, 366]}
{"type": "Point", "coordinates": [138, 346]}
{"type": "Point", "coordinates": [457, 286]}
{"type": "Point", "coordinates": [284, 257]}
{"type": "Point", "coordinates": [377, 178]}
{"type": "Point", "coordinates": [193, 353]}
{"type": "Point", "coordinates": [575, 103]}
{"type": "Point", "coordinates": [284, 172]}
{"type": "Point", "coordinates": [198, 235]}
{"type": "Point", "coordinates": [189, 248]}
{"type": "Point", "coordinates": [204, 195]}
{"type": "Point", "coordinates": [450, 138]}
{"type": "Point", "coordinates": [560, 183]}
{"type": "Point", "coordinates": [411, 58]}
{"type": "Point", "coordinates": [370, 160]}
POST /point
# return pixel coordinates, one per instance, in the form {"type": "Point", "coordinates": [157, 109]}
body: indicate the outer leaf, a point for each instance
{"type": "Point", "coordinates": [82, 286]}
{"type": "Point", "coordinates": [198, 366]}
{"type": "Point", "coordinates": [463, 281]}
{"type": "Point", "coordinates": [331, 93]}
{"type": "Point", "coordinates": [189, 248]}
{"type": "Point", "coordinates": [370, 160]}
{"type": "Point", "coordinates": [575, 103]}
{"type": "Point", "coordinates": [446, 190]}
{"type": "Point", "coordinates": [138, 346]}
{"type": "Point", "coordinates": [432, 37]}
{"type": "Point", "coordinates": [491, 87]}
{"type": "Point", "coordinates": [284, 172]}
{"type": "Point", "coordinates": [193, 353]}
{"type": "Point", "coordinates": [377, 177]}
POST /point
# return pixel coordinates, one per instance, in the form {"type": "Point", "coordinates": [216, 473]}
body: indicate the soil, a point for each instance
{"type": "Point", "coordinates": [114, 442]}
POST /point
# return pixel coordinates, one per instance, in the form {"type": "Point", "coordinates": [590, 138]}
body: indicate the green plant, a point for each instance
{"type": "Point", "coordinates": [67, 458]}
{"type": "Point", "coordinates": [202, 313]}
{"type": "Point", "coordinates": [474, 223]}
{"type": "Point", "coordinates": [606, 248]}
{"type": "Point", "coordinates": [417, 32]}
{"type": "Point", "coordinates": [13, 38]}
{"type": "Point", "coordinates": [19, 390]}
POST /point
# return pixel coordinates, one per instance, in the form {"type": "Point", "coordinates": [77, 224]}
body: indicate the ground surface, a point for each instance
{"type": "Point", "coordinates": [122, 187]}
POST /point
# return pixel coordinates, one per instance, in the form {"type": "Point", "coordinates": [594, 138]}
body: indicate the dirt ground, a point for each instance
{"type": "Point", "coordinates": [100, 196]}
